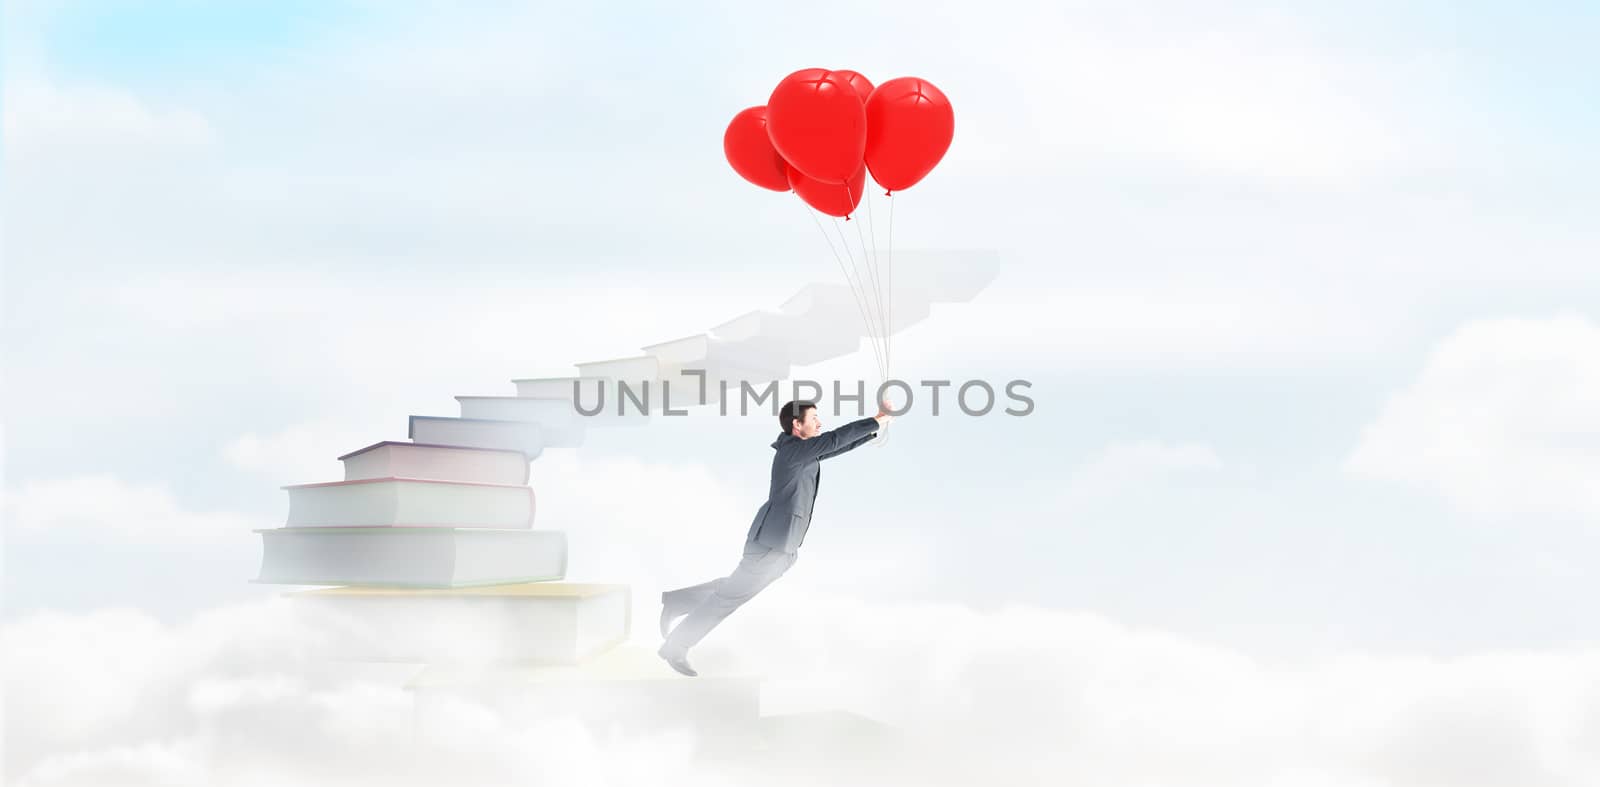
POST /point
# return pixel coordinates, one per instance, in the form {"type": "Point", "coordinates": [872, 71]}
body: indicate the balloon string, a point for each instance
{"type": "Point", "coordinates": [872, 228]}
{"type": "Point", "coordinates": [872, 330]}
{"type": "Point", "coordinates": [873, 319]}
{"type": "Point", "coordinates": [877, 285]}
{"type": "Point", "coordinates": [866, 300]}
{"type": "Point", "coordinates": [853, 294]}
{"type": "Point", "coordinates": [872, 231]}
{"type": "Point", "coordinates": [889, 347]}
{"type": "Point", "coordinates": [886, 304]}
{"type": "Point", "coordinates": [869, 315]}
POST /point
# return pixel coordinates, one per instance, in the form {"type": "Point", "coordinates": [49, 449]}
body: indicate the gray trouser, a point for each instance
{"type": "Point", "coordinates": [709, 602]}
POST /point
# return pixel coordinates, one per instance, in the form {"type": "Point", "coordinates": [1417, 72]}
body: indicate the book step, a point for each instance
{"type": "Point", "coordinates": [555, 414]}
{"type": "Point", "coordinates": [553, 387]}
{"type": "Point", "coordinates": [410, 557]}
{"type": "Point", "coordinates": [528, 437]}
{"type": "Point", "coordinates": [410, 502]}
{"type": "Point", "coordinates": [396, 459]}
{"type": "Point", "coordinates": [548, 624]}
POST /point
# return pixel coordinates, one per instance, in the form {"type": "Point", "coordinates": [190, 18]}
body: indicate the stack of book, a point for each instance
{"type": "Point", "coordinates": [434, 557]}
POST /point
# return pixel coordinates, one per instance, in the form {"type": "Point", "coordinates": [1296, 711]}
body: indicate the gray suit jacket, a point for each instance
{"type": "Point", "coordinates": [782, 521]}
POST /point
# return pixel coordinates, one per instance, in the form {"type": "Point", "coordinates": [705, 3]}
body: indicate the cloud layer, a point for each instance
{"type": "Point", "coordinates": [1500, 420]}
{"type": "Point", "coordinates": [239, 696]}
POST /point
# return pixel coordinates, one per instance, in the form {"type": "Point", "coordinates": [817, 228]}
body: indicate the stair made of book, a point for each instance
{"type": "Point", "coordinates": [431, 555]}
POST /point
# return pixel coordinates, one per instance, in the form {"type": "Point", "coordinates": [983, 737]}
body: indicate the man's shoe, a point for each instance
{"type": "Point", "coordinates": [678, 661]}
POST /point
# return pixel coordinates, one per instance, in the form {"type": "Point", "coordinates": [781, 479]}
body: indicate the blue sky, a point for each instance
{"type": "Point", "coordinates": [170, 41]}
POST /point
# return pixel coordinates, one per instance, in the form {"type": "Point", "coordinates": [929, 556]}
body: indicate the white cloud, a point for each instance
{"type": "Point", "coordinates": [1261, 100]}
{"type": "Point", "coordinates": [1017, 696]}
{"type": "Point", "coordinates": [101, 506]}
{"type": "Point", "coordinates": [1133, 467]}
{"type": "Point", "coordinates": [402, 331]}
{"type": "Point", "coordinates": [155, 763]}
{"type": "Point", "coordinates": [1032, 323]}
{"type": "Point", "coordinates": [240, 696]}
{"type": "Point", "coordinates": [88, 118]}
{"type": "Point", "coordinates": [1502, 419]}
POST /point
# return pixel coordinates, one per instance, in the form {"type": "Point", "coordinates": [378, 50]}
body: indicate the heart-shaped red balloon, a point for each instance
{"type": "Point", "coordinates": [748, 149]}
{"type": "Point", "coordinates": [834, 199]}
{"type": "Point", "coordinates": [862, 85]}
{"type": "Point", "coordinates": [909, 127]}
{"type": "Point", "coordinates": [818, 123]}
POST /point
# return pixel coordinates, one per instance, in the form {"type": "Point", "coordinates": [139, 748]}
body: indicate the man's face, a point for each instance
{"type": "Point", "coordinates": [809, 426]}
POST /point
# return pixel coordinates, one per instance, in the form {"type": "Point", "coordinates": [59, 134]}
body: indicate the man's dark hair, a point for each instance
{"type": "Point", "coordinates": [791, 412]}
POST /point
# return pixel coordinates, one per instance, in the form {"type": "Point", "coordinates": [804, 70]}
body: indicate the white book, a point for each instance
{"type": "Point", "coordinates": [908, 305]}
{"type": "Point", "coordinates": [792, 340]}
{"type": "Point", "coordinates": [751, 325]}
{"type": "Point", "coordinates": [652, 385]}
{"type": "Point", "coordinates": [832, 309]}
{"type": "Point", "coordinates": [632, 369]}
{"type": "Point", "coordinates": [704, 352]}
{"type": "Point", "coordinates": [703, 383]}
{"type": "Point", "coordinates": [522, 436]}
{"type": "Point", "coordinates": [823, 304]}
{"type": "Point", "coordinates": [410, 502]}
{"type": "Point", "coordinates": [555, 387]}
{"type": "Point", "coordinates": [393, 459]}
{"type": "Point", "coordinates": [686, 362]}
{"type": "Point", "coordinates": [946, 275]}
{"type": "Point", "coordinates": [516, 408]}
{"type": "Point", "coordinates": [555, 415]}
{"type": "Point", "coordinates": [410, 557]}
{"type": "Point", "coordinates": [528, 622]}
{"type": "Point", "coordinates": [689, 348]}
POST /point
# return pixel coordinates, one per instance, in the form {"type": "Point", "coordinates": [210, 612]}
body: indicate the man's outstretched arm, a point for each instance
{"type": "Point", "coordinates": [845, 438]}
{"type": "Point", "coordinates": [850, 446]}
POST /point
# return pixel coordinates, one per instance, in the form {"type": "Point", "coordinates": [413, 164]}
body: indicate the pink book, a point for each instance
{"type": "Point", "coordinates": [393, 459]}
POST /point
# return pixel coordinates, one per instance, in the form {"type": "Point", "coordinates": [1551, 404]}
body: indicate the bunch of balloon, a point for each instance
{"type": "Point", "coordinates": [819, 135]}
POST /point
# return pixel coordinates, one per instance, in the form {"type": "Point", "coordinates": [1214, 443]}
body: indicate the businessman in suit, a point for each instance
{"type": "Point", "coordinates": [776, 533]}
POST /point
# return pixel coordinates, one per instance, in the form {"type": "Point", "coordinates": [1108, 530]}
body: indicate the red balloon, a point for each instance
{"type": "Point", "coordinates": [909, 126]}
{"type": "Point", "coordinates": [818, 123]}
{"type": "Point", "coordinates": [854, 79]}
{"type": "Point", "coordinates": [748, 149]}
{"type": "Point", "coordinates": [834, 199]}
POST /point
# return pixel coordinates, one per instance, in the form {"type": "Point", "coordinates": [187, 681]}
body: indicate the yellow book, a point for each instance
{"type": "Point", "coordinates": [527, 622]}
